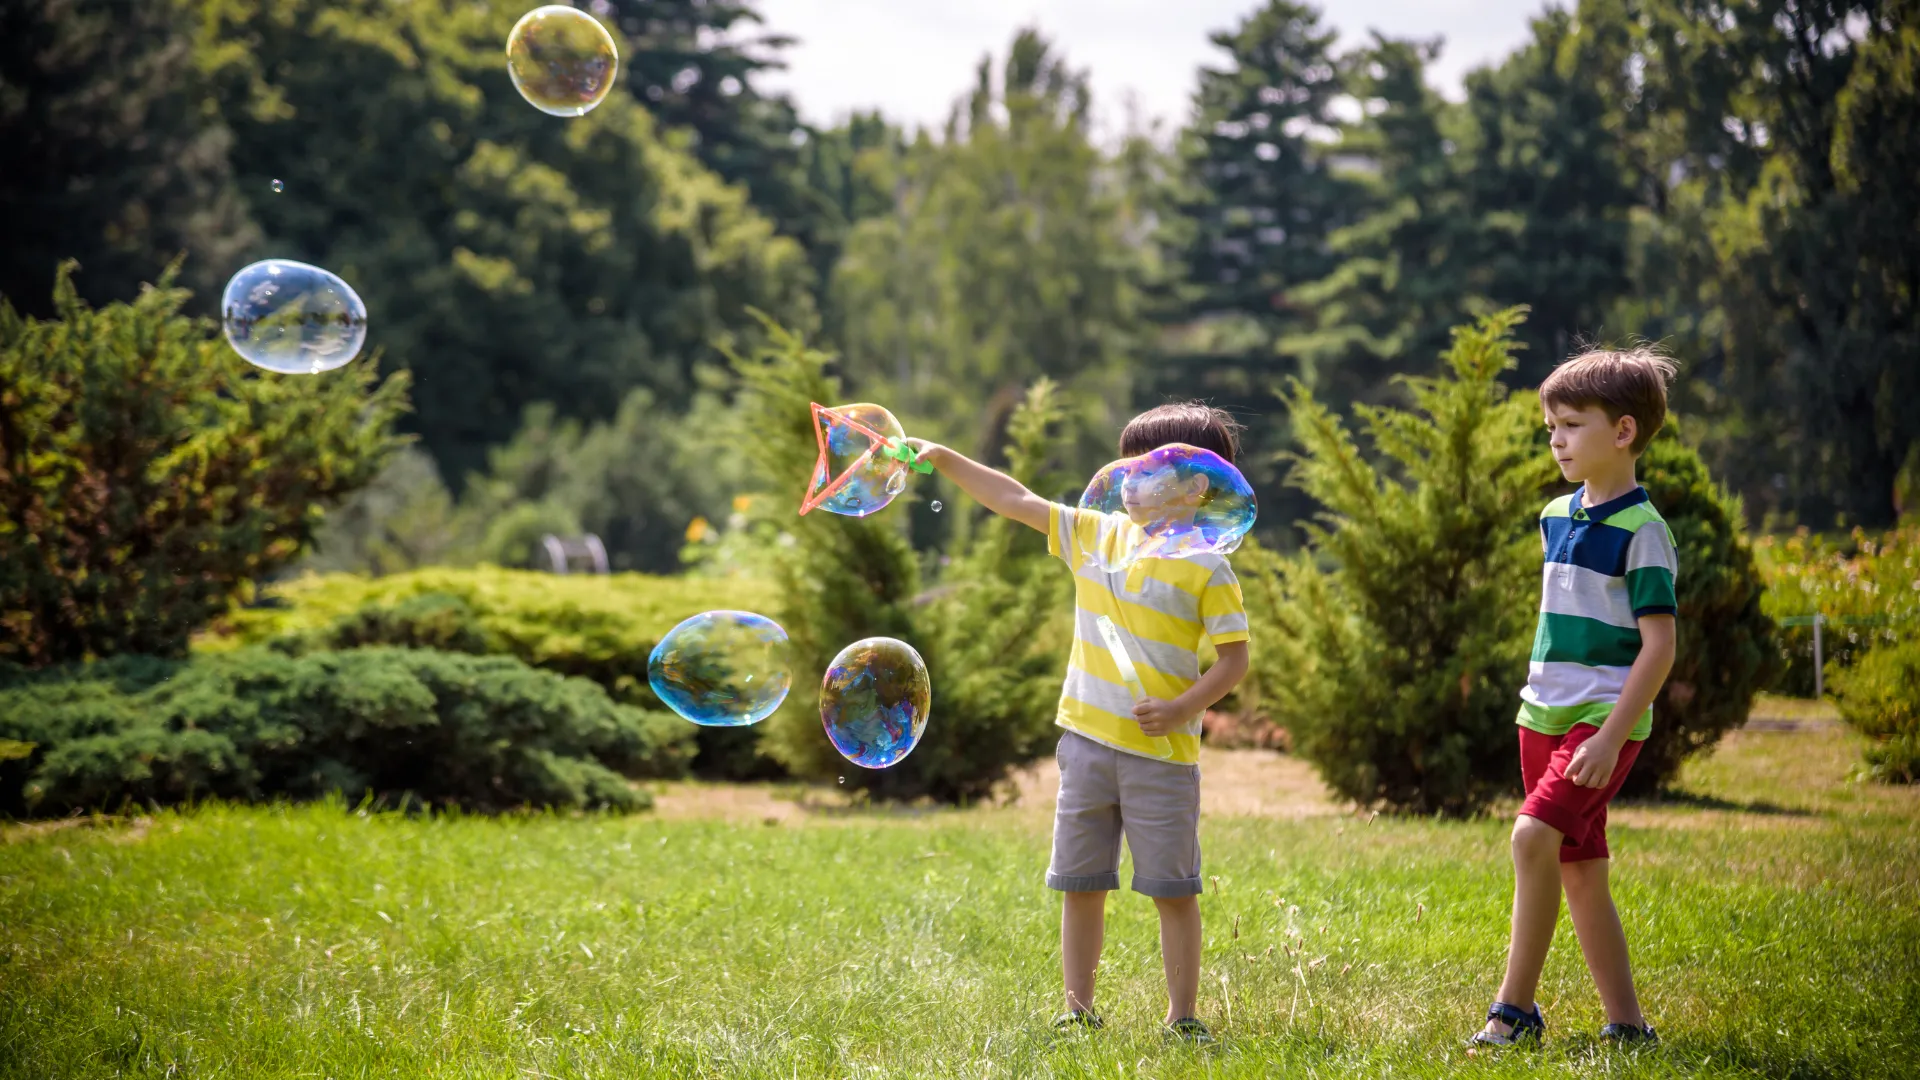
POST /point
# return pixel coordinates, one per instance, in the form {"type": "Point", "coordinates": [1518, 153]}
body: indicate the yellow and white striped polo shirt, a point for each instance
{"type": "Point", "coordinates": [1163, 608]}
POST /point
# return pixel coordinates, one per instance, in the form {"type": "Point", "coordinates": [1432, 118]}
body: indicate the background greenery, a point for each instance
{"type": "Point", "coordinates": [612, 324]}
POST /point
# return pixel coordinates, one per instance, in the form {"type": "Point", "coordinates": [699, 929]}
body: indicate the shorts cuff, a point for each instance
{"type": "Point", "coordinates": [1166, 888]}
{"type": "Point", "coordinates": [1084, 883]}
{"type": "Point", "coordinates": [1570, 824]}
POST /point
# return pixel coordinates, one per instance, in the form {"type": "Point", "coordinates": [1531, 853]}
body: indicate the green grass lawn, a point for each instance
{"type": "Point", "coordinates": [1774, 914]}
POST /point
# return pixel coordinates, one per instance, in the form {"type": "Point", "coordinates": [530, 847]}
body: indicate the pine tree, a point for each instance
{"type": "Point", "coordinates": [1400, 638]}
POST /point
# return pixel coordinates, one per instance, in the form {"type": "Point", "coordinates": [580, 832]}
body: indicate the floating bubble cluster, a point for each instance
{"type": "Point", "coordinates": [292, 318]}
{"type": "Point", "coordinates": [853, 475]}
{"type": "Point", "coordinates": [874, 701]}
{"type": "Point", "coordinates": [1177, 502]}
{"type": "Point", "coordinates": [561, 60]}
{"type": "Point", "coordinates": [722, 668]}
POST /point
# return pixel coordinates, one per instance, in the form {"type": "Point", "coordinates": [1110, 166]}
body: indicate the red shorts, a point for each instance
{"type": "Point", "coordinates": [1579, 812]}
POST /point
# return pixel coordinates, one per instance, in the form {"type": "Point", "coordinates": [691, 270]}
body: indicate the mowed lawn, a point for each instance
{"type": "Point", "coordinates": [1774, 914]}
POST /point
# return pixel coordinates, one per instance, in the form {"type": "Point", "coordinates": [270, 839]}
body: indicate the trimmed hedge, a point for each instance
{"type": "Point", "coordinates": [401, 725]}
{"type": "Point", "coordinates": [1880, 697]}
{"type": "Point", "coordinates": [593, 627]}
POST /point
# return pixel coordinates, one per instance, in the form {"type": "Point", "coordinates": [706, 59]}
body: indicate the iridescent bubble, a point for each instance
{"type": "Point", "coordinates": [278, 187]}
{"type": "Point", "coordinates": [722, 668]}
{"type": "Point", "coordinates": [292, 318]}
{"type": "Point", "coordinates": [938, 506]}
{"type": "Point", "coordinates": [1171, 503]}
{"type": "Point", "coordinates": [561, 60]}
{"type": "Point", "coordinates": [853, 475]}
{"type": "Point", "coordinates": [874, 701]}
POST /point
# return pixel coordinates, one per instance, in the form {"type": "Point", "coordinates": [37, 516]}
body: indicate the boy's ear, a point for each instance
{"type": "Point", "coordinates": [1625, 430]}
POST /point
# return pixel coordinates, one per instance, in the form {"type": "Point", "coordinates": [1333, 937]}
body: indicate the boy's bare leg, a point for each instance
{"type": "Point", "coordinates": [1602, 940]}
{"type": "Point", "coordinates": [1180, 953]}
{"type": "Point", "coordinates": [1536, 907]}
{"type": "Point", "coordinates": [1083, 928]}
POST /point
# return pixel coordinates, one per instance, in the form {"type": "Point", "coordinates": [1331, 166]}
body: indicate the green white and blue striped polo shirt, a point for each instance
{"type": "Point", "coordinates": [1606, 567]}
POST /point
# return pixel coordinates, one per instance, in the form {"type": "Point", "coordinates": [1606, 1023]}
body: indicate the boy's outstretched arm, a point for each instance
{"type": "Point", "coordinates": [992, 489]}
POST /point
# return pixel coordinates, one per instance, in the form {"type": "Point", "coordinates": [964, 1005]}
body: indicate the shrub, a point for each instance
{"type": "Point", "coordinates": [148, 475]}
{"type": "Point", "coordinates": [1866, 585]}
{"type": "Point", "coordinates": [1725, 650]}
{"type": "Point", "coordinates": [1396, 643]}
{"type": "Point", "coordinates": [593, 627]}
{"type": "Point", "coordinates": [1880, 697]}
{"type": "Point", "coordinates": [400, 725]}
{"type": "Point", "coordinates": [992, 636]}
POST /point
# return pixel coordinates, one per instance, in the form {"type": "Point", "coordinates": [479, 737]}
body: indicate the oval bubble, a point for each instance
{"type": "Point", "coordinates": [1171, 503]}
{"type": "Point", "coordinates": [874, 701]}
{"type": "Point", "coordinates": [852, 477]}
{"type": "Point", "coordinates": [561, 60]}
{"type": "Point", "coordinates": [292, 318]}
{"type": "Point", "coordinates": [722, 668]}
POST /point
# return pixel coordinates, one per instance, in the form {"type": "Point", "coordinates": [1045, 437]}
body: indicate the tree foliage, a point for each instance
{"type": "Point", "coordinates": [148, 475]}
{"type": "Point", "coordinates": [110, 158]}
{"type": "Point", "coordinates": [1403, 632]}
{"type": "Point", "coordinates": [505, 256]}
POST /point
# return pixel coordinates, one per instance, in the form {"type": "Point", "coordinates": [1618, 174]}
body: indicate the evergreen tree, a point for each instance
{"type": "Point", "coordinates": [109, 157]}
{"type": "Point", "coordinates": [1257, 201]}
{"type": "Point", "coordinates": [1400, 638]}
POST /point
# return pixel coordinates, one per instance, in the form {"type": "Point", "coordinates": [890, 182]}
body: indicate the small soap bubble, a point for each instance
{"type": "Point", "coordinates": [874, 701]}
{"type": "Point", "coordinates": [1171, 503]}
{"type": "Point", "coordinates": [722, 668]}
{"type": "Point", "coordinates": [853, 476]}
{"type": "Point", "coordinates": [278, 187]}
{"type": "Point", "coordinates": [562, 60]}
{"type": "Point", "coordinates": [938, 506]}
{"type": "Point", "coordinates": [292, 318]}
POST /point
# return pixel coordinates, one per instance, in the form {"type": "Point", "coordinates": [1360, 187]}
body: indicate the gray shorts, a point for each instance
{"type": "Point", "coordinates": [1106, 792]}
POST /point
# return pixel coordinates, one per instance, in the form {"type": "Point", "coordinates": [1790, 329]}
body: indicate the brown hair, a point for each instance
{"type": "Point", "coordinates": [1624, 382]}
{"type": "Point", "coordinates": [1192, 422]}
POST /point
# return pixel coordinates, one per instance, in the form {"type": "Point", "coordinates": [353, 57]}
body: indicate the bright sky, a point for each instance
{"type": "Point", "coordinates": [913, 58]}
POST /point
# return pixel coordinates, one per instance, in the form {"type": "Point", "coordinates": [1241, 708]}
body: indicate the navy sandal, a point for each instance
{"type": "Point", "coordinates": [1628, 1035]}
{"type": "Point", "coordinates": [1190, 1029]}
{"type": "Point", "coordinates": [1078, 1018]}
{"type": "Point", "coordinates": [1522, 1025]}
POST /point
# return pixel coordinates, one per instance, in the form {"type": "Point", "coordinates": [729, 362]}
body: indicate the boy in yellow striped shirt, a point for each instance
{"type": "Point", "coordinates": [1129, 758]}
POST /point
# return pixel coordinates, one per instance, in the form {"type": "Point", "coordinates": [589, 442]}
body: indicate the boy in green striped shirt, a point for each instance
{"type": "Point", "coordinates": [1604, 646]}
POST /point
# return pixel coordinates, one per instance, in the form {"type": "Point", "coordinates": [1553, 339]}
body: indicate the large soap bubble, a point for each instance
{"type": "Point", "coordinates": [722, 668]}
{"type": "Point", "coordinates": [1171, 503]}
{"type": "Point", "coordinates": [292, 318]}
{"type": "Point", "coordinates": [561, 60]}
{"type": "Point", "coordinates": [874, 701]}
{"type": "Point", "coordinates": [854, 475]}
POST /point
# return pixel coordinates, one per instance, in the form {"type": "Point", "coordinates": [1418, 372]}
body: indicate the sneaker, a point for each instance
{"type": "Point", "coordinates": [1190, 1029]}
{"type": "Point", "coordinates": [1521, 1026]}
{"type": "Point", "coordinates": [1628, 1035]}
{"type": "Point", "coordinates": [1078, 1018]}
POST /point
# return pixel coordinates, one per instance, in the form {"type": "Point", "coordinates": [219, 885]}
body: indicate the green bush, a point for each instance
{"type": "Point", "coordinates": [1867, 586]}
{"type": "Point", "coordinates": [1394, 647]}
{"type": "Point", "coordinates": [148, 474]}
{"type": "Point", "coordinates": [1880, 697]}
{"type": "Point", "coordinates": [400, 725]}
{"type": "Point", "coordinates": [1725, 651]}
{"type": "Point", "coordinates": [990, 639]}
{"type": "Point", "coordinates": [593, 627]}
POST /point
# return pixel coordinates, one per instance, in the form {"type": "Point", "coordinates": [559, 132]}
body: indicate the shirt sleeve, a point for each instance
{"type": "Point", "coordinates": [1652, 564]}
{"type": "Point", "coordinates": [1223, 610]}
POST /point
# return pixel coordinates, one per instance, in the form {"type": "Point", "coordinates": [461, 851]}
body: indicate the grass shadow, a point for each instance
{"type": "Point", "coordinates": [1696, 801]}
